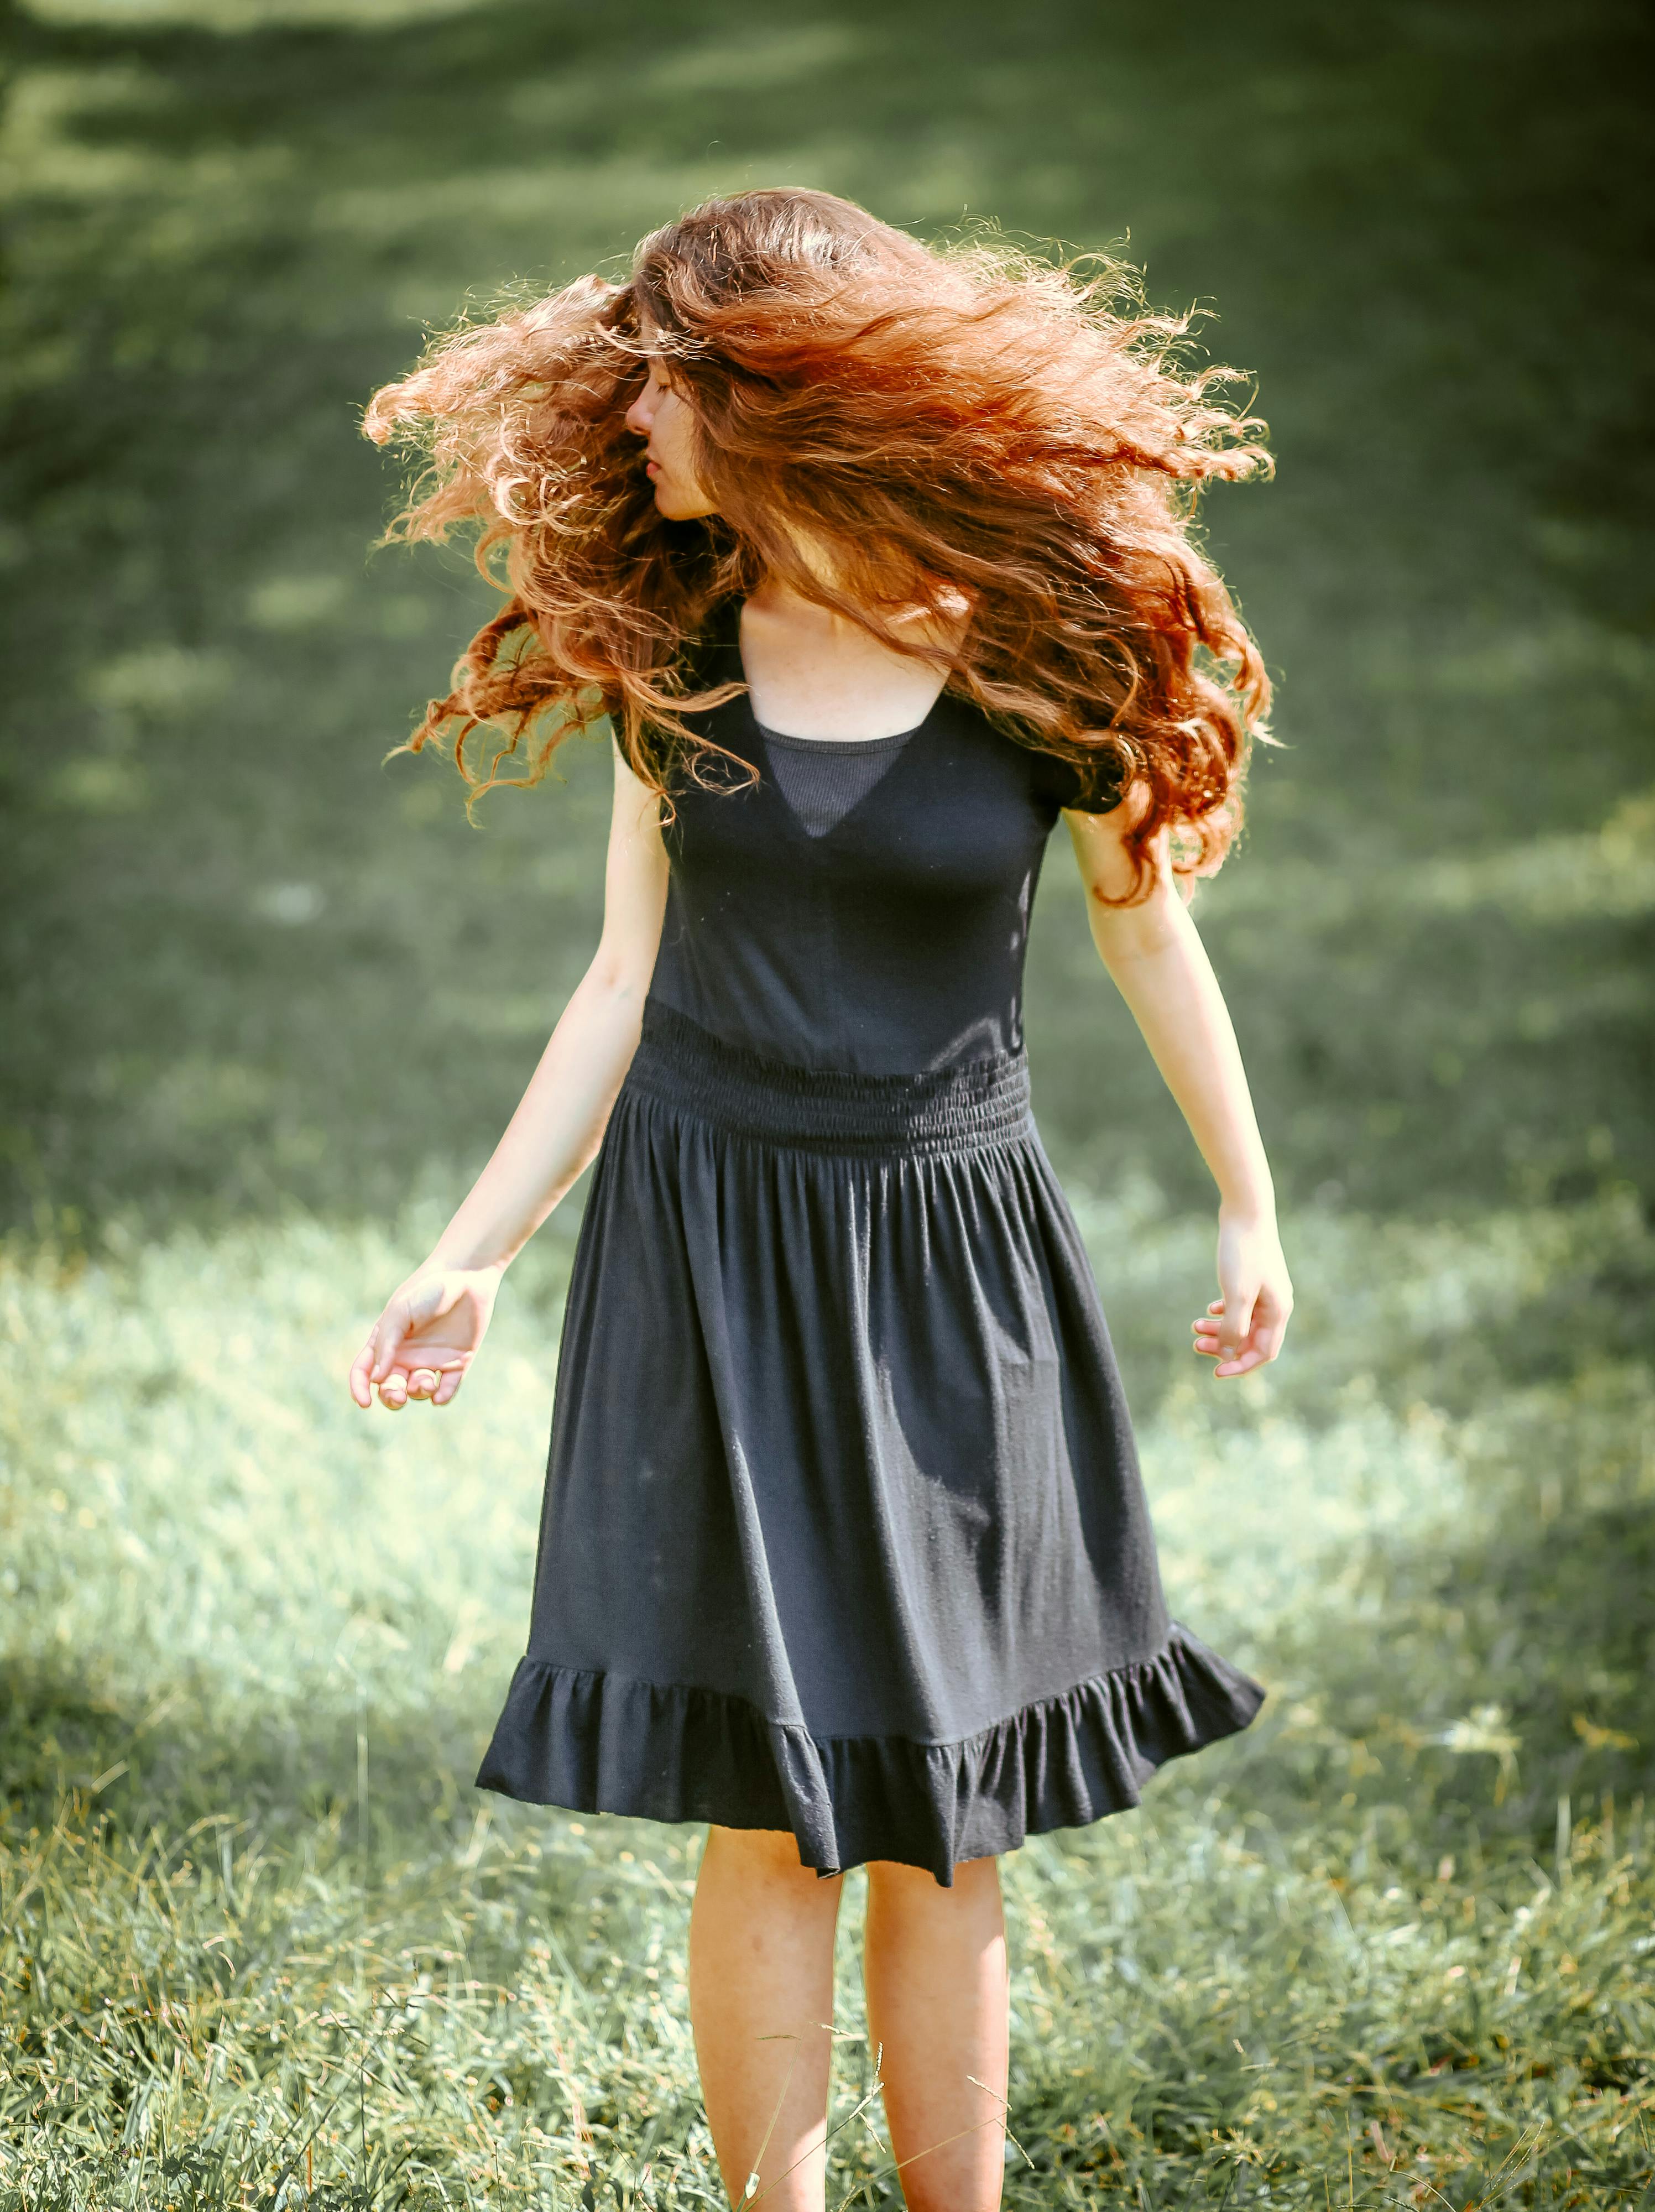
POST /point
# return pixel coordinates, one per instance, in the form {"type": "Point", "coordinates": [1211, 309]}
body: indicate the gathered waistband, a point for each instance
{"type": "Point", "coordinates": [950, 1109]}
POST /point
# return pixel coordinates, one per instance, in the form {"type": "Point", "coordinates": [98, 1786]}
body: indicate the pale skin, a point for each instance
{"type": "Point", "coordinates": [762, 1929]}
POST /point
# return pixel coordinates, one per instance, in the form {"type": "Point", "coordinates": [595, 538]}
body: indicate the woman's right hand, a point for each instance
{"type": "Point", "coordinates": [423, 1344]}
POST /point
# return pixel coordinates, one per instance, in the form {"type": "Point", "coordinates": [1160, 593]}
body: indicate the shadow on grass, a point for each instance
{"type": "Point", "coordinates": [184, 1755]}
{"type": "Point", "coordinates": [221, 910]}
{"type": "Point", "coordinates": [1496, 1688]}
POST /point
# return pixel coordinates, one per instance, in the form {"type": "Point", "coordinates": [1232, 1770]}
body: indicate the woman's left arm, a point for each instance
{"type": "Point", "coordinates": [1159, 966]}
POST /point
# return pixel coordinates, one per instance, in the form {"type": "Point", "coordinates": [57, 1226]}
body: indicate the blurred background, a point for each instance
{"type": "Point", "coordinates": [268, 998]}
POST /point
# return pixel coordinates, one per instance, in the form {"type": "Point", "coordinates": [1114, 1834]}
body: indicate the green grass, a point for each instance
{"type": "Point", "coordinates": [267, 1002]}
{"type": "Point", "coordinates": [253, 1640]}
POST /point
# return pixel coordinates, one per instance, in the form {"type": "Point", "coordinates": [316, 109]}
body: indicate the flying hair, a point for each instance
{"type": "Point", "coordinates": [883, 425]}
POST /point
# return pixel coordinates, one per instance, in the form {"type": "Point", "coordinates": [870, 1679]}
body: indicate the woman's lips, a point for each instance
{"type": "Point", "coordinates": [652, 468]}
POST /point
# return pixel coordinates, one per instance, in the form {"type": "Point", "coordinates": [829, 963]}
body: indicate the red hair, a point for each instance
{"type": "Point", "coordinates": [971, 424]}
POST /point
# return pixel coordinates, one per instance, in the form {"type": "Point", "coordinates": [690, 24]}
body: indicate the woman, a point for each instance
{"type": "Point", "coordinates": [876, 559]}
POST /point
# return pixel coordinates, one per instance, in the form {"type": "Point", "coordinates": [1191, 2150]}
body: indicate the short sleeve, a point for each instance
{"type": "Point", "coordinates": [1091, 787]}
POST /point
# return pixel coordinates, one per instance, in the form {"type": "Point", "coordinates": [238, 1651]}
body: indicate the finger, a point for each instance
{"type": "Point", "coordinates": [422, 1382]}
{"type": "Point", "coordinates": [449, 1383]}
{"type": "Point", "coordinates": [393, 1393]}
{"type": "Point", "coordinates": [1271, 1318]}
{"type": "Point", "coordinates": [388, 1333]}
{"type": "Point", "coordinates": [1251, 1355]}
{"type": "Point", "coordinates": [362, 1388]}
{"type": "Point", "coordinates": [1237, 1324]}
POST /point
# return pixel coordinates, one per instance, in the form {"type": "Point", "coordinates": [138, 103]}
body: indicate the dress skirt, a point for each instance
{"type": "Point", "coordinates": [843, 1529]}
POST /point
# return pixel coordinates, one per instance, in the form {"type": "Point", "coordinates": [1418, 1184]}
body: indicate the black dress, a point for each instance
{"type": "Point", "coordinates": [843, 1529]}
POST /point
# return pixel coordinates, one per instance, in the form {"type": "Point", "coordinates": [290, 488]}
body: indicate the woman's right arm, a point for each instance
{"type": "Point", "coordinates": [431, 1328]}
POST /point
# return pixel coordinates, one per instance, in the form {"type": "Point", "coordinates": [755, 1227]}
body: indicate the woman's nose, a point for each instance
{"type": "Point", "coordinates": [640, 415]}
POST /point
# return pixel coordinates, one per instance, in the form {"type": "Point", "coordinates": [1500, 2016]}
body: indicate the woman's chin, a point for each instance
{"type": "Point", "coordinates": [675, 506]}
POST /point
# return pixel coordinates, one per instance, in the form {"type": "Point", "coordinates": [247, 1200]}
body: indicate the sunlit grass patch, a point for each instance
{"type": "Point", "coordinates": [206, 1538]}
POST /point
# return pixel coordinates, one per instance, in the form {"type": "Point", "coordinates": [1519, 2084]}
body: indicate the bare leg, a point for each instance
{"type": "Point", "coordinates": [935, 1966]}
{"type": "Point", "coordinates": [761, 1967]}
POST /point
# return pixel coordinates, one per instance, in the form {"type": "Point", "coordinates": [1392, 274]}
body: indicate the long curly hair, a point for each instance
{"type": "Point", "coordinates": [883, 425]}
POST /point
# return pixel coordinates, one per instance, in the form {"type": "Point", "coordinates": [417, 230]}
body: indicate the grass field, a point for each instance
{"type": "Point", "coordinates": [266, 1002]}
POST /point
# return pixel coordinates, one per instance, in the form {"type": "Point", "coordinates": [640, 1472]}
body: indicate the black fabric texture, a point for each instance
{"type": "Point", "coordinates": [891, 937]}
{"type": "Point", "coordinates": [822, 781]}
{"type": "Point", "coordinates": [843, 1530]}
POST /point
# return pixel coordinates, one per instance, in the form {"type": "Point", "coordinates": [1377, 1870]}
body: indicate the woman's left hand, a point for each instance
{"type": "Point", "coordinates": [1244, 1325]}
